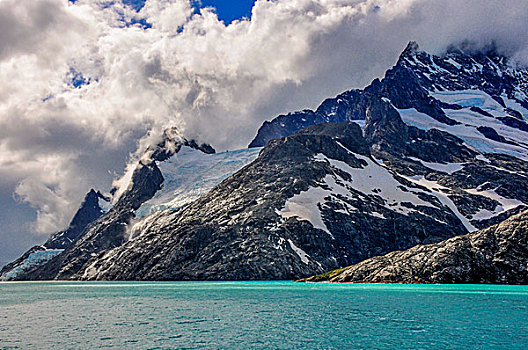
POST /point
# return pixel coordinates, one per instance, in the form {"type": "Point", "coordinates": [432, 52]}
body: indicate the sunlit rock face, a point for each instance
{"type": "Point", "coordinates": [495, 255]}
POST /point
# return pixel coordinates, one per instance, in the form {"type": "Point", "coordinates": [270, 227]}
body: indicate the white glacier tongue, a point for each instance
{"type": "Point", "coordinates": [191, 173]}
{"type": "Point", "coordinates": [469, 98]}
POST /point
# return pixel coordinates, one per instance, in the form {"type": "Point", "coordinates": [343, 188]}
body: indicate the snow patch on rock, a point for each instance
{"type": "Point", "coordinates": [467, 131]}
{"type": "Point", "coordinates": [301, 253]}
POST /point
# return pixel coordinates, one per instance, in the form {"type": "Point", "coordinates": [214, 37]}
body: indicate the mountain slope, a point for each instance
{"type": "Point", "coordinates": [496, 255]}
{"type": "Point", "coordinates": [456, 93]}
{"type": "Point", "coordinates": [248, 228]}
{"type": "Point", "coordinates": [312, 201]}
{"type": "Point", "coordinates": [112, 229]}
{"type": "Point", "coordinates": [479, 98]}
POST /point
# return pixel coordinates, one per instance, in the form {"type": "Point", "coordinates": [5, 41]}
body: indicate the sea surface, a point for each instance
{"type": "Point", "coordinates": [265, 315]}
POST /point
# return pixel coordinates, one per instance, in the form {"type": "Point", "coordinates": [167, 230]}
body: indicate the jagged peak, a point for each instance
{"type": "Point", "coordinates": [171, 143]}
{"type": "Point", "coordinates": [411, 49]}
{"type": "Point", "coordinates": [163, 148]}
{"type": "Point", "coordinates": [204, 147]}
{"type": "Point", "coordinates": [465, 49]}
{"type": "Point", "coordinates": [95, 194]}
{"type": "Point", "coordinates": [90, 203]}
{"type": "Point", "coordinates": [411, 54]}
{"type": "Point", "coordinates": [89, 211]}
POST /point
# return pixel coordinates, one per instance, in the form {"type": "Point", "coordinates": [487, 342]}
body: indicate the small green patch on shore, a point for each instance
{"type": "Point", "coordinates": [323, 277]}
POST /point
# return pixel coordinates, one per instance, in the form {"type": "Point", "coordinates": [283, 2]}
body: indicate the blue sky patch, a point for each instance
{"type": "Point", "coordinates": [77, 79]}
{"type": "Point", "coordinates": [141, 22]}
{"type": "Point", "coordinates": [135, 4]}
{"type": "Point", "coordinates": [227, 10]}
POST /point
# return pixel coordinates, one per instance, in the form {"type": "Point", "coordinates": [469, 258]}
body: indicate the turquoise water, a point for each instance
{"type": "Point", "coordinates": [267, 315]}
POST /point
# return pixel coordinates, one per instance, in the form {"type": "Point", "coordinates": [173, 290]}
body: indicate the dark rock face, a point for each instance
{"type": "Point", "coordinates": [284, 125]}
{"type": "Point", "coordinates": [89, 211]}
{"type": "Point", "coordinates": [491, 134]}
{"type": "Point", "coordinates": [514, 123]}
{"type": "Point", "coordinates": [388, 134]}
{"type": "Point", "coordinates": [236, 232]}
{"type": "Point", "coordinates": [498, 255]}
{"type": "Point", "coordinates": [458, 69]}
{"type": "Point", "coordinates": [107, 232]}
{"type": "Point", "coordinates": [239, 230]}
{"type": "Point", "coordinates": [345, 107]}
{"type": "Point", "coordinates": [405, 89]}
{"type": "Point", "coordinates": [408, 85]}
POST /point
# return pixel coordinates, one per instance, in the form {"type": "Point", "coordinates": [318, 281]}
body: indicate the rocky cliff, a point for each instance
{"type": "Point", "coordinates": [443, 91]}
{"type": "Point", "coordinates": [497, 255]}
{"type": "Point", "coordinates": [93, 229]}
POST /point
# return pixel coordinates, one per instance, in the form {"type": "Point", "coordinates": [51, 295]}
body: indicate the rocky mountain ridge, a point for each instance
{"type": "Point", "coordinates": [238, 231]}
{"type": "Point", "coordinates": [405, 165]}
{"type": "Point", "coordinates": [414, 83]}
{"type": "Point", "coordinates": [495, 255]}
{"type": "Point", "coordinates": [93, 229]}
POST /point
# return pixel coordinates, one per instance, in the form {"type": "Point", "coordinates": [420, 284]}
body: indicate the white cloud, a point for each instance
{"type": "Point", "coordinates": [217, 83]}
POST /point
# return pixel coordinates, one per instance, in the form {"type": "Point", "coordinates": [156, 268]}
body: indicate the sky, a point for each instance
{"type": "Point", "coordinates": [228, 10]}
{"type": "Point", "coordinates": [86, 85]}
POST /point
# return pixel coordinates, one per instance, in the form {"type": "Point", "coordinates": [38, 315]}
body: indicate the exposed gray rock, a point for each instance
{"type": "Point", "coordinates": [111, 230]}
{"type": "Point", "coordinates": [89, 211]}
{"type": "Point", "coordinates": [235, 232]}
{"type": "Point", "coordinates": [107, 232]}
{"type": "Point", "coordinates": [408, 85]}
{"type": "Point", "coordinates": [497, 255]}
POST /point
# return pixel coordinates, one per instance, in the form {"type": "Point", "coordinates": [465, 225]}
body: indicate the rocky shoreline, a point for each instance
{"type": "Point", "coordinates": [496, 255]}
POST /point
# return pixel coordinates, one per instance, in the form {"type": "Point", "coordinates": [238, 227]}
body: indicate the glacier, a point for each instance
{"type": "Point", "coordinates": [191, 173]}
{"type": "Point", "coordinates": [34, 259]}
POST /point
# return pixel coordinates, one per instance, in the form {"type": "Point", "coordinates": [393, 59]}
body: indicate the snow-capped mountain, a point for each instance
{"type": "Point", "coordinates": [437, 148]}
{"type": "Point", "coordinates": [479, 97]}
